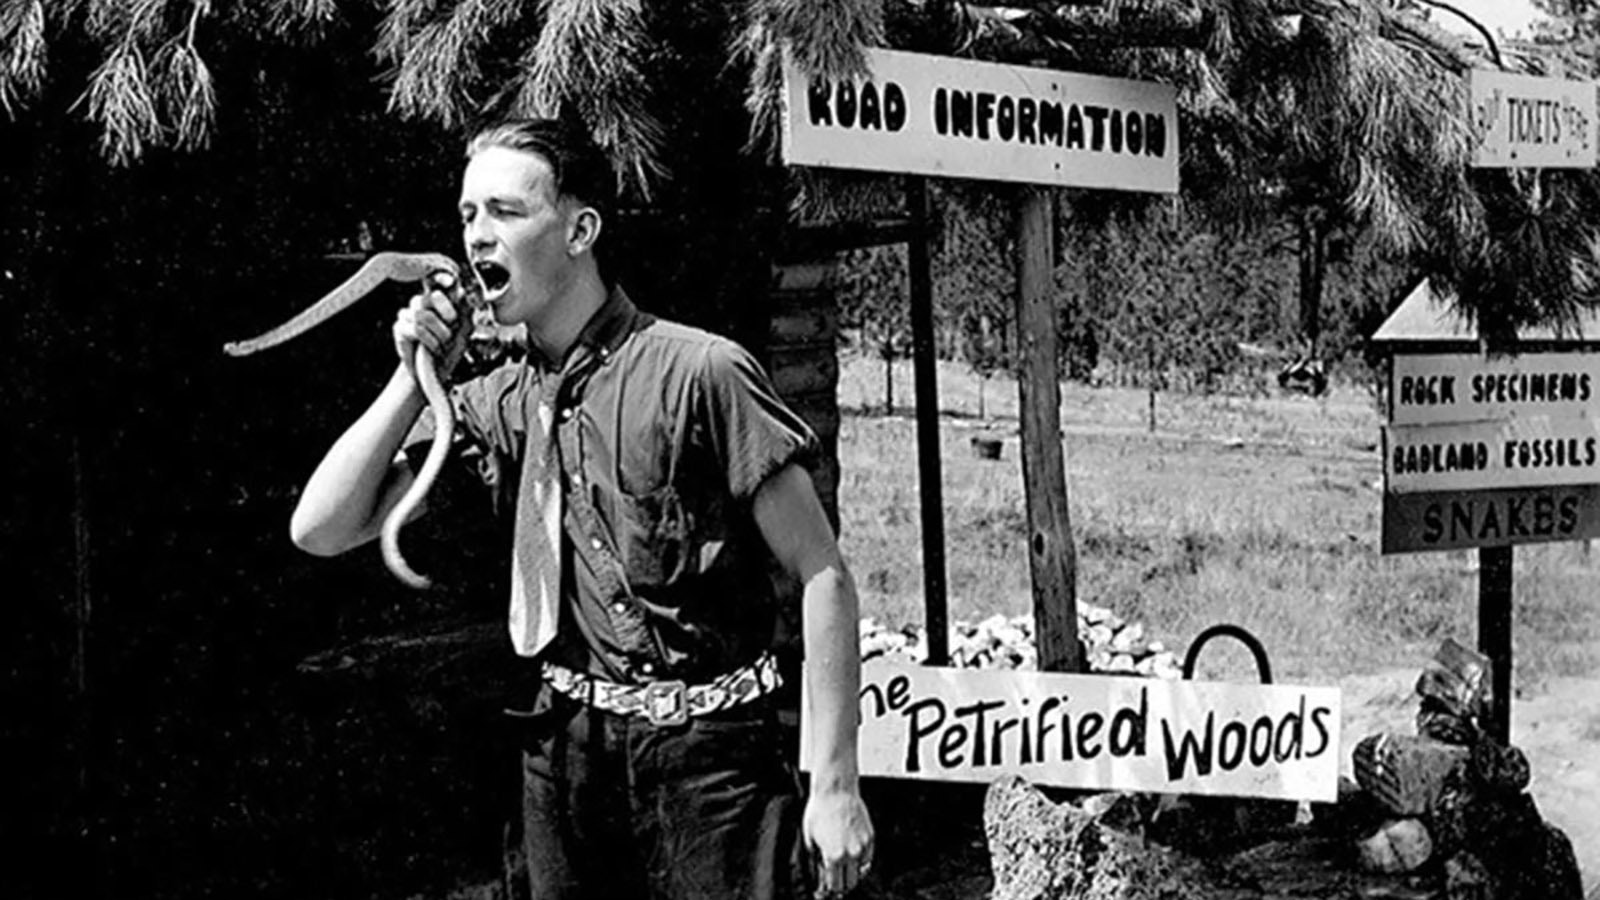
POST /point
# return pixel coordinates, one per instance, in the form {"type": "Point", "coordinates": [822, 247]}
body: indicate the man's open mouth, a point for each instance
{"type": "Point", "coordinates": [492, 276]}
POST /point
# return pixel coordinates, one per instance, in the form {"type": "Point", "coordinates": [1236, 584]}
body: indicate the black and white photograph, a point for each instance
{"type": "Point", "coordinates": [801, 449]}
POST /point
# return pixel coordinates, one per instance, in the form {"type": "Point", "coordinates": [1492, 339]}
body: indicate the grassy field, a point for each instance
{"type": "Point", "coordinates": [1262, 512]}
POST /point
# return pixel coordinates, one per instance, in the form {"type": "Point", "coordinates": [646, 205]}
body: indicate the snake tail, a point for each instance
{"type": "Point", "coordinates": [444, 423]}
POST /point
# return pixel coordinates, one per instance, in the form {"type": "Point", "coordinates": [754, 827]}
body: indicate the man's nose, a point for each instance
{"type": "Point", "coordinates": [477, 234]}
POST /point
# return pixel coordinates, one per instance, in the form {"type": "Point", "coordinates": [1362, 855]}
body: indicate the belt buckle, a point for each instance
{"type": "Point", "coordinates": [666, 703]}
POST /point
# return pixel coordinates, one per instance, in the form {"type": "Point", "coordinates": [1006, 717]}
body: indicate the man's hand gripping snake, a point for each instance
{"type": "Point", "coordinates": [402, 267]}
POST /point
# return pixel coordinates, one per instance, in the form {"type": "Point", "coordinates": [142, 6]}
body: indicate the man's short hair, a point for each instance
{"type": "Point", "coordinates": [579, 169]}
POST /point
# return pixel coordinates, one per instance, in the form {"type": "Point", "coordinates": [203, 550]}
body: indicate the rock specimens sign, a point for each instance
{"type": "Point", "coordinates": [1099, 732]}
{"type": "Point", "coordinates": [1524, 121]}
{"type": "Point", "coordinates": [936, 115]}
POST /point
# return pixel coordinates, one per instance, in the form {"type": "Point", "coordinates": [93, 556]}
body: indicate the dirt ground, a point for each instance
{"type": "Point", "coordinates": [1556, 724]}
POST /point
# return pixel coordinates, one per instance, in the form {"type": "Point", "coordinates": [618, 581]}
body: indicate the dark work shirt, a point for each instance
{"type": "Point", "coordinates": [666, 433]}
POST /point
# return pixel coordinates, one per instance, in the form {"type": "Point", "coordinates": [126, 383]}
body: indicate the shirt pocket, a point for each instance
{"type": "Point", "coordinates": [654, 537]}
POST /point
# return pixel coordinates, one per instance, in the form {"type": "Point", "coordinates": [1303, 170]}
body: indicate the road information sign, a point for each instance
{"type": "Point", "coordinates": [938, 115]}
{"type": "Point", "coordinates": [1525, 121]}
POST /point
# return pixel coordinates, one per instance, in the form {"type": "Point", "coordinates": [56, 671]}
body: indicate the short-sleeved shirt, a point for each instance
{"type": "Point", "coordinates": [666, 434]}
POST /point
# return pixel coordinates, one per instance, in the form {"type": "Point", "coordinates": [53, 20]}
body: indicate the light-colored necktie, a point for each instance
{"type": "Point", "coordinates": [536, 537]}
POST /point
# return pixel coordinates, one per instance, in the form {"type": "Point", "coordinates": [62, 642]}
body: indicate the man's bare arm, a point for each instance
{"type": "Point", "coordinates": [361, 478]}
{"type": "Point", "coordinates": [836, 822]}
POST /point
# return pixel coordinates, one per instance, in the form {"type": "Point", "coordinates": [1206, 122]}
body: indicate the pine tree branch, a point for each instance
{"type": "Point", "coordinates": [826, 38]}
{"type": "Point", "coordinates": [308, 17]}
{"type": "Point", "coordinates": [1494, 49]}
{"type": "Point", "coordinates": [121, 102]}
{"type": "Point", "coordinates": [589, 59]}
{"type": "Point", "coordinates": [24, 54]}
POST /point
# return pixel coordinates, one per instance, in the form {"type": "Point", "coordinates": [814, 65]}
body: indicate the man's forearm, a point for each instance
{"type": "Point", "coordinates": [351, 489]}
{"type": "Point", "coordinates": [833, 673]}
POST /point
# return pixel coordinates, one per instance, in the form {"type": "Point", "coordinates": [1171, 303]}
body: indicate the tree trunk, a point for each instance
{"type": "Point", "coordinates": [1150, 387]}
{"type": "Point", "coordinates": [888, 380]}
{"type": "Point", "coordinates": [1313, 252]}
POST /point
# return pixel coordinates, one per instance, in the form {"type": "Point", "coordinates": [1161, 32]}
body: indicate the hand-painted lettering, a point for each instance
{"type": "Point", "coordinates": [1260, 742]}
{"type": "Point", "coordinates": [848, 105]}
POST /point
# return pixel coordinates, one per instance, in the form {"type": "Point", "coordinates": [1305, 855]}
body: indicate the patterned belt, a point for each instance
{"type": "Point", "coordinates": [668, 702]}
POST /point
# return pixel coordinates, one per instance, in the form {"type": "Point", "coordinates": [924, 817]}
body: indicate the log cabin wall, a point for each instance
{"type": "Point", "coordinates": [802, 356]}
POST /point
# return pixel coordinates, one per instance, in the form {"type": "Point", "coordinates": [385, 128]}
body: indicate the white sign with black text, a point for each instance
{"type": "Point", "coordinates": [938, 115]}
{"type": "Point", "coordinates": [1526, 121]}
{"type": "Point", "coordinates": [1434, 388]}
{"type": "Point", "coordinates": [1100, 732]}
{"type": "Point", "coordinates": [1530, 451]}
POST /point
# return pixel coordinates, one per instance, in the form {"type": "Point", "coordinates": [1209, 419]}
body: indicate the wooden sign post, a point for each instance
{"type": "Point", "coordinates": [1488, 453]}
{"type": "Point", "coordinates": [932, 115]}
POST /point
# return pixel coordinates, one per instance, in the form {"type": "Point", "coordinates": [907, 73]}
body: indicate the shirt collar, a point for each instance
{"type": "Point", "coordinates": [610, 325]}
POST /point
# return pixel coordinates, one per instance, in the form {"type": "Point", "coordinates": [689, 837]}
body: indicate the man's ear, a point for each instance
{"type": "Point", "coordinates": [583, 230]}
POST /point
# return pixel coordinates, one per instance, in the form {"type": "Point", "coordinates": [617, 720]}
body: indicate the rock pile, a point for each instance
{"type": "Point", "coordinates": [1440, 815]}
{"type": "Point", "coordinates": [1452, 800]}
{"type": "Point", "coordinates": [1111, 644]}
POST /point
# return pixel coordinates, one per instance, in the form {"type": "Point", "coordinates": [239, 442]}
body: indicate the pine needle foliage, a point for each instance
{"type": "Point", "coordinates": [23, 53]}
{"type": "Point", "coordinates": [825, 38]}
{"type": "Point", "coordinates": [589, 59]}
{"type": "Point", "coordinates": [1353, 109]}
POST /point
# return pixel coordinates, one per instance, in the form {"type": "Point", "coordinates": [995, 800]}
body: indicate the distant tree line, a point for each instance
{"type": "Point", "coordinates": [1163, 300]}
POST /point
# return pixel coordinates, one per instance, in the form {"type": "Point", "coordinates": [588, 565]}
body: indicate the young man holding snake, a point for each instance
{"type": "Point", "coordinates": [656, 478]}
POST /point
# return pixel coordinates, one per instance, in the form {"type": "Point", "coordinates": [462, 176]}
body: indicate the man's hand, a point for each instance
{"type": "Point", "coordinates": [429, 321]}
{"type": "Point", "coordinates": [838, 832]}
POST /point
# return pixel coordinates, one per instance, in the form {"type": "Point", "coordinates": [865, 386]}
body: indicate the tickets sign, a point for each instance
{"type": "Point", "coordinates": [937, 115]}
{"type": "Point", "coordinates": [1097, 732]}
{"type": "Point", "coordinates": [1525, 121]}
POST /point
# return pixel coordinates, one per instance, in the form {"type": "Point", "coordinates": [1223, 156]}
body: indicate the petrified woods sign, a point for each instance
{"type": "Point", "coordinates": [1098, 732]}
{"type": "Point", "coordinates": [1524, 121]}
{"type": "Point", "coordinates": [937, 115]}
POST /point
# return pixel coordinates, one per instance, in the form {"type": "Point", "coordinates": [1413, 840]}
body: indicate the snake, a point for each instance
{"type": "Point", "coordinates": [399, 267]}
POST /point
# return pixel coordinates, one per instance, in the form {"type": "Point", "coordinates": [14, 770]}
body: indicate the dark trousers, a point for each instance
{"type": "Point", "coordinates": [614, 807]}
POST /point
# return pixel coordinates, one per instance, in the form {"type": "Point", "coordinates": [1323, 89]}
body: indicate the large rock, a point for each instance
{"type": "Point", "coordinates": [1524, 857]}
{"type": "Point", "coordinates": [1043, 851]}
{"type": "Point", "coordinates": [1407, 774]}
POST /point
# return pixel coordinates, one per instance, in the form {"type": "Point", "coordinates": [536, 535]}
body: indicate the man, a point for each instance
{"type": "Point", "coordinates": [658, 483]}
